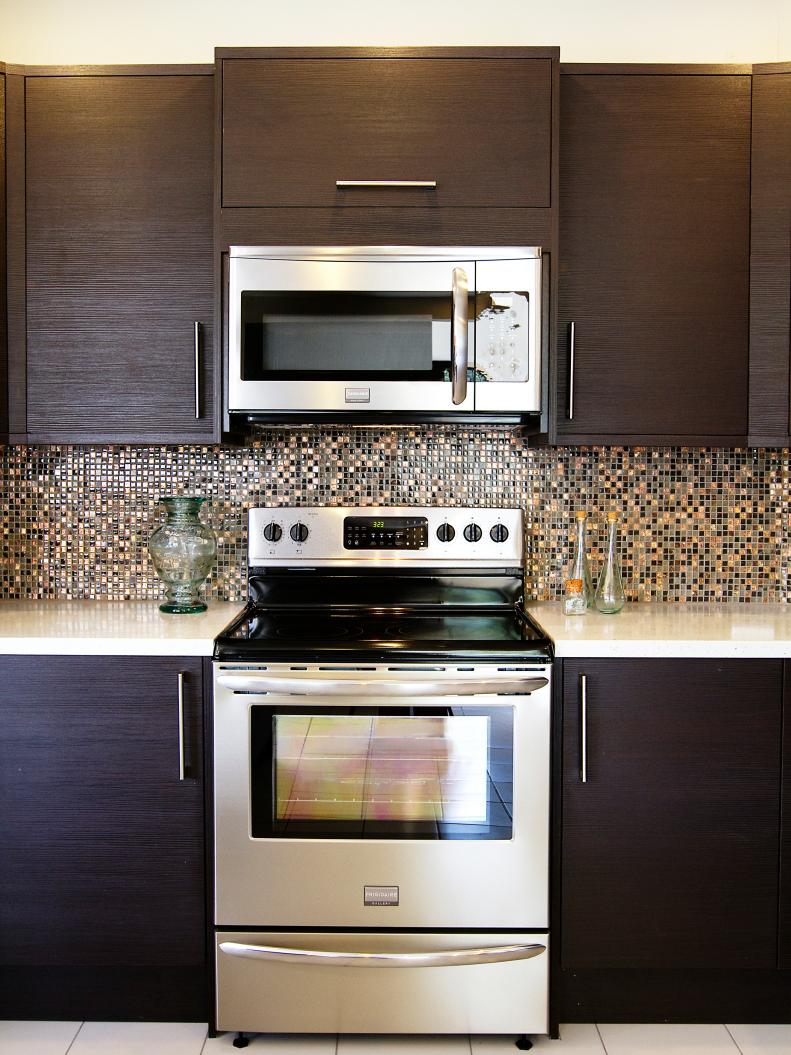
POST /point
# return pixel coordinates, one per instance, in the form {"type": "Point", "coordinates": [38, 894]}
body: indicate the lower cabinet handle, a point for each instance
{"type": "Point", "coordinates": [439, 958]}
{"type": "Point", "coordinates": [583, 729]}
{"type": "Point", "coordinates": [182, 762]}
{"type": "Point", "coordinates": [197, 342]}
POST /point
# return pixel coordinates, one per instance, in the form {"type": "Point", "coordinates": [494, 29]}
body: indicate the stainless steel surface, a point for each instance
{"type": "Point", "coordinates": [437, 958]}
{"type": "Point", "coordinates": [407, 684]}
{"type": "Point", "coordinates": [583, 728]}
{"type": "Point", "coordinates": [396, 269]}
{"type": "Point", "coordinates": [572, 335]}
{"type": "Point", "coordinates": [182, 761]}
{"type": "Point", "coordinates": [197, 342]}
{"type": "Point", "coordinates": [497, 997]}
{"type": "Point", "coordinates": [324, 547]}
{"type": "Point", "coordinates": [458, 355]}
{"type": "Point", "coordinates": [318, 883]}
{"type": "Point", "coordinates": [350, 183]}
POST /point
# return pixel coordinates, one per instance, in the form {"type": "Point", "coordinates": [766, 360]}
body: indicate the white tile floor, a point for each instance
{"type": "Point", "coordinates": [189, 1038]}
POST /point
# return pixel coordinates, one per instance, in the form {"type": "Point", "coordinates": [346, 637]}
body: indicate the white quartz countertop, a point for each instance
{"type": "Point", "coordinates": [108, 628]}
{"type": "Point", "coordinates": [757, 631]}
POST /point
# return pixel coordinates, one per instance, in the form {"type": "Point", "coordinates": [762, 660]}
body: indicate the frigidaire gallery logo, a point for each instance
{"type": "Point", "coordinates": [380, 895]}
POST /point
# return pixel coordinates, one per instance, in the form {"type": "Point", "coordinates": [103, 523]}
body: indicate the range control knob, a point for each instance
{"type": "Point", "coordinates": [299, 532]}
{"type": "Point", "coordinates": [472, 533]}
{"type": "Point", "coordinates": [272, 532]}
{"type": "Point", "coordinates": [499, 533]}
{"type": "Point", "coordinates": [446, 533]}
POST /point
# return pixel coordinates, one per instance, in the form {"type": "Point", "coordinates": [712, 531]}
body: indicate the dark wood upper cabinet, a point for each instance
{"type": "Point", "coordinates": [102, 868]}
{"type": "Point", "coordinates": [481, 127]}
{"type": "Point", "coordinates": [770, 257]}
{"type": "Point", "coordinates": [654, 256]}
{"type": "Point", "coordinates": [670, 848]}
{"type": "Point", "coordinates": [118, 256]}
{"type": "Point", "coordinates": [3, 317]}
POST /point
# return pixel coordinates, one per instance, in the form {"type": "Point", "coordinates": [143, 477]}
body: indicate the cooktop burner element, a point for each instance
{"type": "Point", "coordinates": [419, 584]}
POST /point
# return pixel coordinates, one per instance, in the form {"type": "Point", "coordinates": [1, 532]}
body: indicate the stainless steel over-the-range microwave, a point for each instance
{"type": "Point", "coordinates": [384, 329]}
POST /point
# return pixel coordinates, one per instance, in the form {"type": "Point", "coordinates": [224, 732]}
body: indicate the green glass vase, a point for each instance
{"type": "Point", "coordinates": [183, 550]}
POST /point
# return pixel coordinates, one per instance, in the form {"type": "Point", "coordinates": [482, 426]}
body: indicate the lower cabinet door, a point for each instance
{"type": "Point", "coordinates": [406, 983]}
{"type": "Point", "coordinates": [102, 895]}
{"type": "Point", "coordinates": [670, 807]}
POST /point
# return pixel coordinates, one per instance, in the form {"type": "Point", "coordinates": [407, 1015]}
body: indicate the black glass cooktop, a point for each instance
{"type": "Point", "coordinates": [266, 633]}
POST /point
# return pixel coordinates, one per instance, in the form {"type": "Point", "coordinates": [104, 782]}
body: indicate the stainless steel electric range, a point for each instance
{"type": "Point", "coordinates": [381, 778]}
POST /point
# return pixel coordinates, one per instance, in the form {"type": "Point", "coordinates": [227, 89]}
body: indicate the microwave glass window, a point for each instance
{"type": "Point", "coordinates": [502, 337]}
{"type": "Point", "coordinates": [430, 773]}
{"type": "Point", "coordinates": [346, 336]}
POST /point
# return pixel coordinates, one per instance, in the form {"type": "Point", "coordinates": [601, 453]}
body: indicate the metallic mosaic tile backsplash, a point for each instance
{"type": "Point", "coordinates": [697, 524]}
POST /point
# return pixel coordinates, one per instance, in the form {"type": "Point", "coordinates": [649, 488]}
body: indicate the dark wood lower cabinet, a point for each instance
{"type": "Point", "coordinates": [102, 884]}
{"type": "Point", "coordinates": [784, 940]}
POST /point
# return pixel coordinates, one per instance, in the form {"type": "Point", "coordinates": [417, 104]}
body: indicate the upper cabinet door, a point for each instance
{"type": "Point", "coordinates": [770, 257]}
{"type": "Point", "coordinates": [480, 128]}
{"type": "Point", "coordinates": [654, 251]}
{"type": "Point", "coordinates": [119, 284]}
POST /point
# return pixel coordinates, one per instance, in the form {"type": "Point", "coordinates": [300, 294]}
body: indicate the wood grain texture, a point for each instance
{"type": "Point", "coordinates": [384, 226]}
{"type": "Point", "coordinates": [654, 244]}
{"type": "Point", "coordinates": [433, 52]}
{"type": "Point", "coordinates": [102, 861]}
{"type": "Point", "coordinates": [480, 127]}
{"type": "Point", "coordinates": [670, 850]}
{"type": "Point", "coordinates": [15, 253]}
{"type": "Point", "coordinates": [3, 325]}
{"type": "Point", "coordinates": [119, 256]}
{"type": "Point", "coordinates": [770, 259]}
{"type": "Point", "coordinates": [784, 942]}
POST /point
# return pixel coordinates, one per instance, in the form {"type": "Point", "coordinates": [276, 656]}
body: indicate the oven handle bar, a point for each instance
{"type": "Point", "coordinates": [441, 958]}
{"type": "Point", "coordinates": [307, 685]}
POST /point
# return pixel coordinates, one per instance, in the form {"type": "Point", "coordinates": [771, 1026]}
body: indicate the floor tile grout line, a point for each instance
{"type": "Point", "coordinates": [71, 1042]}
{"type": "Point", "coordinates": [205, 1039]}
{"type": "Point", "coordinates": [601, 1039]}
{"type": "Point", "coordinates": [725, 1026]}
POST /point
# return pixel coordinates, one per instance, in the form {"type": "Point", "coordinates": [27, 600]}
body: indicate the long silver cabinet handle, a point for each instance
{"type": "Point", "coordinates": [441, 958]}
{"type": "Point", "coordinates": [583, 729]}
{"type": "Point", "coordinates": [348, 184]}
{"type": "Point", "coordinates": [458, 351]}
{"type": "Point", "coordinates": [182, 760]}
{"type": "Point", "coordinates": [572, 337]}
{"type": "Point", "coordinates": [197, 343]}
{"type": "Point", "coordinates": [325, 687]}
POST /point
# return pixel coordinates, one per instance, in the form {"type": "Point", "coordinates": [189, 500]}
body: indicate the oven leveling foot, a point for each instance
{"type": "Point", "coordinates": [240, 1041]}
{"type": "Point", "coordinates": [524, 1043]}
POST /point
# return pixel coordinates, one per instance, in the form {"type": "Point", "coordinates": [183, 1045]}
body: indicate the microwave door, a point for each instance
{"type": "Point", "coordinates": [325, 335]}
{"type": "Point", "coordinates": [508, 335]}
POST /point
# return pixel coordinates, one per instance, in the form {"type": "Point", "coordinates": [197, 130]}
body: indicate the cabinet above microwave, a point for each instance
{"type": "Point", "coordinates": [384, 333]}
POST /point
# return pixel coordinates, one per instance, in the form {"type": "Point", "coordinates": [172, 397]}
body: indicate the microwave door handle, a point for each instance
{"type": "Point", "coordinates": [458, 337]}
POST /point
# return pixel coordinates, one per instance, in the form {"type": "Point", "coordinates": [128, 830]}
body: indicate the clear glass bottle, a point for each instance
{"type": "Point", "coordinates": [579, 565]}
{"type": "Point", "coordinates": [609, 591]}
{"type": "Point", "coordinates": [182, 550]}
{"type": "Point", "coordinates": [574, 603]}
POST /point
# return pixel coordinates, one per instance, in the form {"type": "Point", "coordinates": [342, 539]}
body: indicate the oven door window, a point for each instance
{"type": "Point", "coordinates": [367, 772]}
{"type": "Point", "coordinates": [346, 336]}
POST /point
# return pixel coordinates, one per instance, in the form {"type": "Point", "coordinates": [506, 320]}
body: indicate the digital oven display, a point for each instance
{"type": "Point", "coordinates": [385, 533]}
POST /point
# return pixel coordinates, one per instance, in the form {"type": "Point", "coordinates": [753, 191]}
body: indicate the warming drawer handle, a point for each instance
{"type": "Point", "coordinates": [440, 958]}
{"type": "Point", "coordinates": [325, 687]}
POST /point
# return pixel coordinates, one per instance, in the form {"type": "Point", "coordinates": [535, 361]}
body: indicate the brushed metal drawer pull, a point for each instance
{"type": "Point", "coordinates": [350, 184]}
{"type": "Point", "coordinates": [197, 343]}
{"type": "Point", "coordinates": [440, 958]}
{"type": "Point", "coordinates": [572, 336]}
{"type": "Point", "coordinates": [583, 729]}
{"type": "Point", "coordinates": [182, 760]}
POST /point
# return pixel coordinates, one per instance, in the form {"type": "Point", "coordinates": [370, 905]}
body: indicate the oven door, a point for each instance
{"type": "Point", "coordinates": [381, 797]}
{"type": "Point", "coordinates": [337, 332]}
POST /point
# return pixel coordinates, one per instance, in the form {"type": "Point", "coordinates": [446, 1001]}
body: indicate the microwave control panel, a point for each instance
{"type": "Point", "coordinates": [385, 533]}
